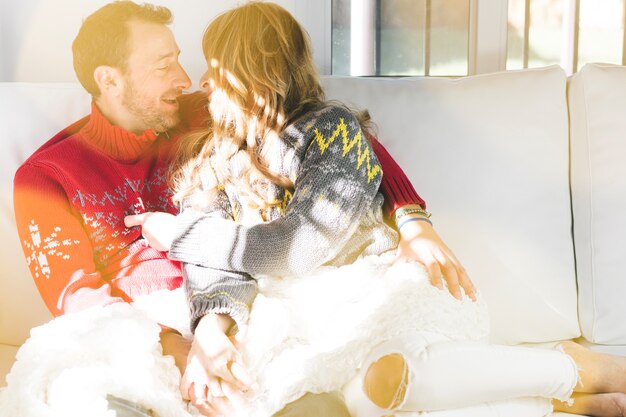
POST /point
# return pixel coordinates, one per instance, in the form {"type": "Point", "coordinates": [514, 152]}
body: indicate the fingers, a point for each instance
{"type": "Point", "coordinates": [444, 266]}
{"type": "Point", "coordinates": [210, 406]}
{"type": "Point", "coordinates": [233, 394]}
{"type": "Point", "coordinates": [467, 284]}
{"type": "Point", "coordinates": [223, 406]}
{"type": "Point", "coordinates": [207, 410]}
{"type": "Point", "coordinates": [223, 371]}
{"type": "Point", "coordinates": [198, 394]}
{"type": "Point", "coordinates": [195, 381]}
{"type": "Point", "coordinates": [244, 380]}
{"type": "Point", "coordinates": [456, 277]}
{"type": "Point", "coordinates": [450, 275]}
{"type": "Point", "coordinates": [185, 386]}
{"type": "Point", "coordinates": [220, 399]}
{"type": "Point", "coordinates": [135, 219]}
{"type": "Point", "coordinates": [209, 393]}
{"type": "Point", "coordinates": [215, 388]}
{"type": "Point", "coordinates": [240, 336]}
{"type": "Point", "coordinates": [427, 248]}
{"type": "Point", "coordinates": [236, 374]}
{"type": "Point", "coordinates": [218, 359]}
{"type": "Point", "coordinates": [434, 273]}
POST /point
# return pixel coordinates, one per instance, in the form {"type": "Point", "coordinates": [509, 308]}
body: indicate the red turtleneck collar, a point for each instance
{"type": "Point", "coordinates": [117, 142]}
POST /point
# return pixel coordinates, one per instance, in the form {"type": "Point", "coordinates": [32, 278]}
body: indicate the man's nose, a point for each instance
{"type": "Point", "coordinates": [182, 80]}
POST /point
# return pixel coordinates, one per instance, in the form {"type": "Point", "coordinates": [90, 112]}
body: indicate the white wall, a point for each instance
{"type": "Point", "coordinates": [3, 56]}
{"type": "Point", "coordinates": [36, 35]}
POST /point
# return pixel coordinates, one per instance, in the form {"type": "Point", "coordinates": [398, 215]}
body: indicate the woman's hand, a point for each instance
{"type": "Point", "coordinates": [215, 378]}
{"type": "Point", "coordinates": [175, 345]}
{"type": "Point", "coordinates": [419, 242]}
{"type": "Point", "coordinates": [157, 228]}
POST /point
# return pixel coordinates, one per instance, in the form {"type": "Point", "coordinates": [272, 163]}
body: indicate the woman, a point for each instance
{"type": "Point", "coordinates": [298, 177]}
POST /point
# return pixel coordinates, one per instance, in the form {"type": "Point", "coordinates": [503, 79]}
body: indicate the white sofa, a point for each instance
{"type": "Point", "coordinates": [522, 170]}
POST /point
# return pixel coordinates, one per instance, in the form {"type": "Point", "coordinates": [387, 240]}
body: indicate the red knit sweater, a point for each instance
{"type": "Point", "coordinates": [71, 197]}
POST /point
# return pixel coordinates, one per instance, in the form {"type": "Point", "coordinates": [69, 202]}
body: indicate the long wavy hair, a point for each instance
{"type": "Point", "coordinates": [261, 77]}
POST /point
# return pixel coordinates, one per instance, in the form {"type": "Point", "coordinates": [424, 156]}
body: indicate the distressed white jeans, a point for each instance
{"type": "Point", "coordinates": [452, 375]}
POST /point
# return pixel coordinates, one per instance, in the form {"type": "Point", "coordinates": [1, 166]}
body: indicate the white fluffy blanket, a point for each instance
{"type": "Point", "coordinates": [69, 365]}
{"type": "Point", "coordinates": [305, 335]}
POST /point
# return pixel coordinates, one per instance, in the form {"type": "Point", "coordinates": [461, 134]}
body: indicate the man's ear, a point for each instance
{"type": "Point", "coordinates": [109, 80]}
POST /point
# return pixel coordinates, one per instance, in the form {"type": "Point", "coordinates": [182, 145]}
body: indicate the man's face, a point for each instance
{"type": "Point", "coordinates": [153, 78]}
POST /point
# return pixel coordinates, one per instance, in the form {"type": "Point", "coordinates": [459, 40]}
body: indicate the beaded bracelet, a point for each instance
{"type": "Point", "coordinates": [401, 212]}
{"type": "Point", "coordinates": [414, 219]}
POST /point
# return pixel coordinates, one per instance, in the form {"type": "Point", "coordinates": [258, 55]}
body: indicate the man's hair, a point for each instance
{"type": "Point", "coordinates": [103, 38]}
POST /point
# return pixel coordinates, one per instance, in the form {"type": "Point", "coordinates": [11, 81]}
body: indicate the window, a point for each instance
{"type": "Point", "coordinates": [566, 32]}
{"type": "Point", "coordinates": [460, 37]}
{"type": "Point", "coordinates": [400, 37]}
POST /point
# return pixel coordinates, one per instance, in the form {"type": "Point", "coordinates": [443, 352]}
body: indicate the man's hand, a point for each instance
{"type": "Point", "coordinates": [176, 345]}
{"type": "Point", "coordinates": [215, 378]}
{"type": "Point", "coordinates": [157, 228]}
{"type": "Point", "coordinates": [419, 242]}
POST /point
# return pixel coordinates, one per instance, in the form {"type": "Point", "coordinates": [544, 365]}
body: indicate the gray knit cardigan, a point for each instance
{"type": "Point", "coordinates": [331, 217]}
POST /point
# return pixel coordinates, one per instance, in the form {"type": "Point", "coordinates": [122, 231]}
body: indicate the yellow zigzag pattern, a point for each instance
{"type": "Point", "coordinates": [348, 145]}
{"type": "Point", "coordinates": [282, 205]}
{"type": "Point", "coordinates": [286, 199]}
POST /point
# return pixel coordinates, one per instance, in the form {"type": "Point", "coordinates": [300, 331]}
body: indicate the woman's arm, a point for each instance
{"type": "Point", "coordinates": [338, 181]}
{"type": "Point", "coordinates": [419, 241]}
{"type": "Point", "coordinates": [214, 291]}
{"type": "Point", "coordinates": [209, 290]}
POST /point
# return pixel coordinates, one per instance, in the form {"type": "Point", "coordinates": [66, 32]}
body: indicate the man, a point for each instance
{"type": "Point", "coordinates": [112, 163]}
{"type": "Point", "coordinates": [72, 194]}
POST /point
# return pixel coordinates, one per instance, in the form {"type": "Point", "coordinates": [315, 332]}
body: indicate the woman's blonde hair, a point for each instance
{"type": "Point", "coordinates": [262, 77]}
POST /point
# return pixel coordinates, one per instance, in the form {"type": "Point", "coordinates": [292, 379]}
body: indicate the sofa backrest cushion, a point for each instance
{"type": "Point", "coordinates": [597, 103]}
{"type": "Point", "coordinates": [489, 154]}
{"type": "Point", "coordinates": [30, 114]}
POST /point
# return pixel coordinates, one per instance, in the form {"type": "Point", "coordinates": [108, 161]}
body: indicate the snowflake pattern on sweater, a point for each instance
{"type": "Point", "coordinates": [40, 248]}
{"type": "Point", "coordinates": [76, 189]}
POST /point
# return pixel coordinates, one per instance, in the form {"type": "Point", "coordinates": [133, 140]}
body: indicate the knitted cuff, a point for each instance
{"type": "Point", "coordinates": [201, 304]}
{"type": "Point", "coordinates": [221, 292]}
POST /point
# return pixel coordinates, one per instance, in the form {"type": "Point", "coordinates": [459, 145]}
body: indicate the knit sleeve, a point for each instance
{"type": "Point", "coordinates": [335, 188]}
{"type": "Point", "coordinates": [56, 247]}
{"type": "Point", "coordinates": [395, 186]}
{"type": "Point", "coordinates": [217, 291]}
{"type": "Point", "coordinates": [214, 291]}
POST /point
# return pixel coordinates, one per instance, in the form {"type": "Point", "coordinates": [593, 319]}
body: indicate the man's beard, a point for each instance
{"type": "Point", "coordinates": [146, 110]}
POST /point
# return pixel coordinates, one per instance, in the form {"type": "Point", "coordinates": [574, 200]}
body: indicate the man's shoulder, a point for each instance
{"type": "Point", "coordinates": [55, 147]}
